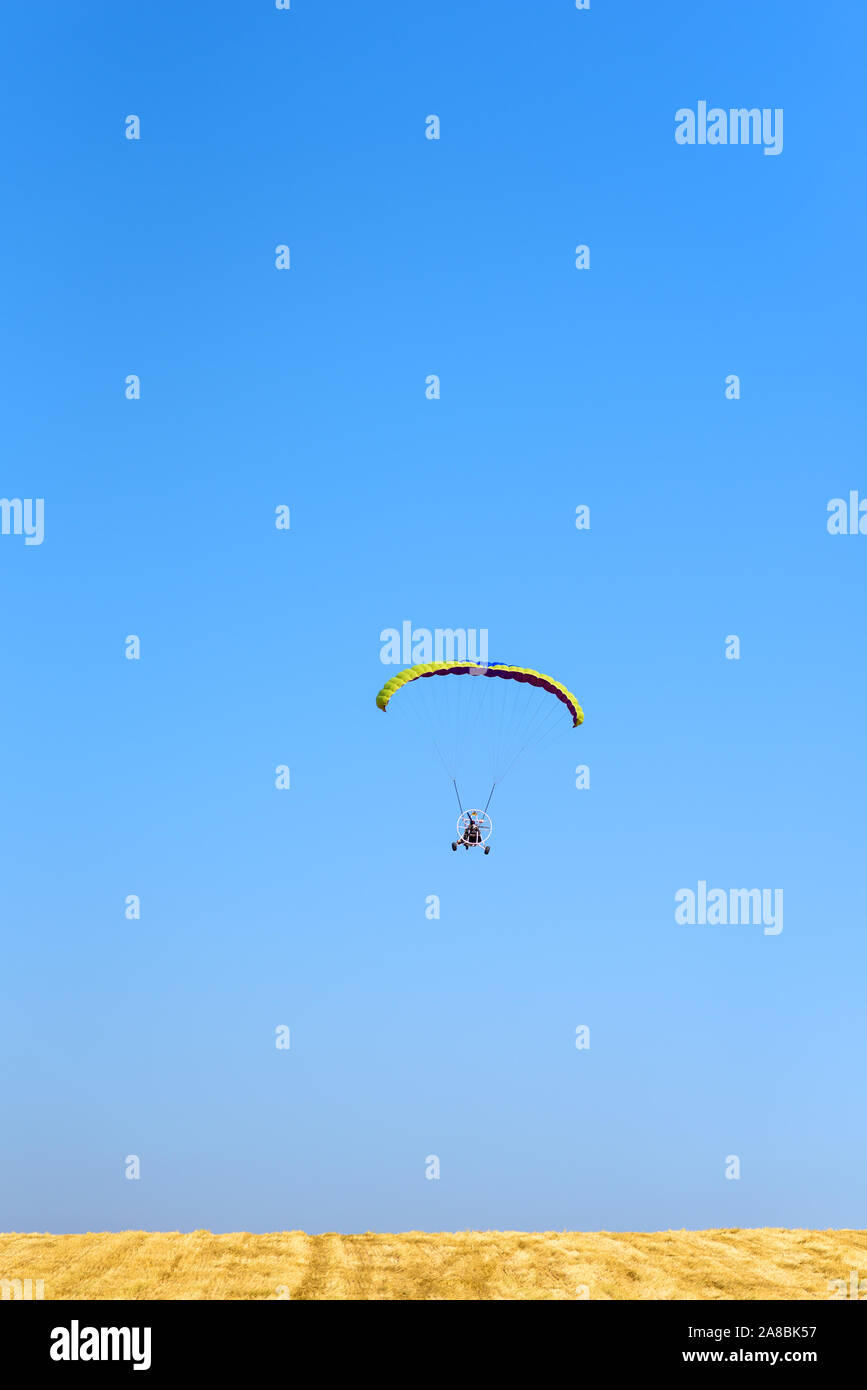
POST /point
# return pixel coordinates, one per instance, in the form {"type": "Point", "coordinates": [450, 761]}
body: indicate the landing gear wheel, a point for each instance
{"type": "Point", "coordinates": [487, 849]}
{"type": "Point", "coordinates": [454, 846]}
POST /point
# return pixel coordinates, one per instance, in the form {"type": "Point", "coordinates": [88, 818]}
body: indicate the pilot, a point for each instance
{"type": "Point", "coordinates": [472, 834]}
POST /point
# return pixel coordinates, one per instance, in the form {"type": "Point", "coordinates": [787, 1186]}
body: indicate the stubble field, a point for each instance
{"type": "Point", "coordinates": [713, 1265]}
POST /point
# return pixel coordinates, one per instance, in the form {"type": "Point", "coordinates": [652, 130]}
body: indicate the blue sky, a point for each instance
{"type": "Point", "coordinates": [306, 907]}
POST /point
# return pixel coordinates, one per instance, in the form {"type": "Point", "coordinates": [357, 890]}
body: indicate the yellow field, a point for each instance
{"type": "Point", "coordinates": [452, 1265]}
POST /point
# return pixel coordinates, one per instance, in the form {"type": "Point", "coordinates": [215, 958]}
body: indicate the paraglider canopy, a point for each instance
{"type": "Point", "coordinates": [523, 674]}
